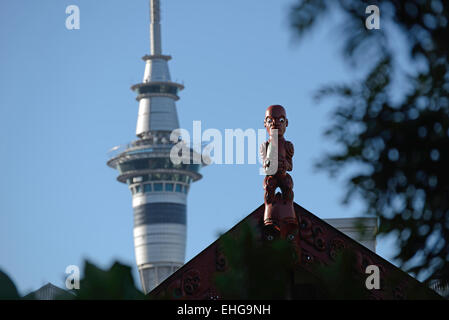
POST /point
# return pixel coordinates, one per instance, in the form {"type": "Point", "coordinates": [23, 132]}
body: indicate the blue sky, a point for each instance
{"type": "Point", "coordinates": [65, 101]}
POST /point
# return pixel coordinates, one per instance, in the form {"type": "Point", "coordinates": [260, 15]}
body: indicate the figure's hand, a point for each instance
{"type": "Point", "coordinates": [289, 149]}
{"type": "Point", "coordinates": [287, 165]}
{"type": "Point", "coordinates": [266, 163]}
{"type": "Point", "coordinates": [282, 166]}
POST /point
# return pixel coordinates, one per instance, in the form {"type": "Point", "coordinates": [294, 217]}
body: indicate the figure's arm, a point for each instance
{"type": "Point", "coordinates": [289, 151]}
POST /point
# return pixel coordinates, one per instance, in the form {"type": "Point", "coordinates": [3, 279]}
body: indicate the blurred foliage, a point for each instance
{"type": "Point", "coordinates": [392, 123]}
{"type": "Point", "coordinates": [116, 283]}
{"type": "Point", "coordinates": [270, 270]}
{"type": "Point", "coordinates": [340, 279]}
{"type": "Point", "coordinates": [256, 269]}
{"type": "Point", "coordinates": [8, 290]}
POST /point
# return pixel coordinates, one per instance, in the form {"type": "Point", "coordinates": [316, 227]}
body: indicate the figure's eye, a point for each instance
{"type": "Point", "coordinates": [269, 120]}
{"type": "Point", "coordinates": [281, 120]}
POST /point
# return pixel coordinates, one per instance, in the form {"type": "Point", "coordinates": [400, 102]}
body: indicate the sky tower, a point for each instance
{"type": "Point", "coordinates": [159, 187]}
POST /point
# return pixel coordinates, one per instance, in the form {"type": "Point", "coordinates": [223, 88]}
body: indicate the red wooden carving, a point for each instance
{"type": "Point", "coordinates": [317, 241]}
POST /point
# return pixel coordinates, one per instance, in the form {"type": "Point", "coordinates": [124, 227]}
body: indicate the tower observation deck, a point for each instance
{"type": "Point", "coordinates": [159, 187]}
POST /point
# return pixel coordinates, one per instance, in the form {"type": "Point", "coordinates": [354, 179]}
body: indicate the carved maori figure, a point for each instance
{"type": "Point", "coordinates": [277, 154]}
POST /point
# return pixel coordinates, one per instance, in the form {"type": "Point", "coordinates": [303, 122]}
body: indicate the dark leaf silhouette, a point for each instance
{"type": "Point", "coordinates": [116, 283]}
{"type": "Point", "coordinates": [8, 290]}
{"type": "Point", "coordinates": [392, 124]}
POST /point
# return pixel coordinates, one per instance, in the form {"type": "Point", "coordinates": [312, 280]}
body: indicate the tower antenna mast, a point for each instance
{"type": "Point", "coordinates": [155, 27]}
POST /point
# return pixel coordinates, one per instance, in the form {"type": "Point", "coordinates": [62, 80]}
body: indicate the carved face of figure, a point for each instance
{"type": "Point", "coordinates": [276, 118]}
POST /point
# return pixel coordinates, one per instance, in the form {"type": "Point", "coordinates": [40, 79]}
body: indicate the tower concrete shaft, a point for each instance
{"type": "Point", "coordinates": [159, 187]}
